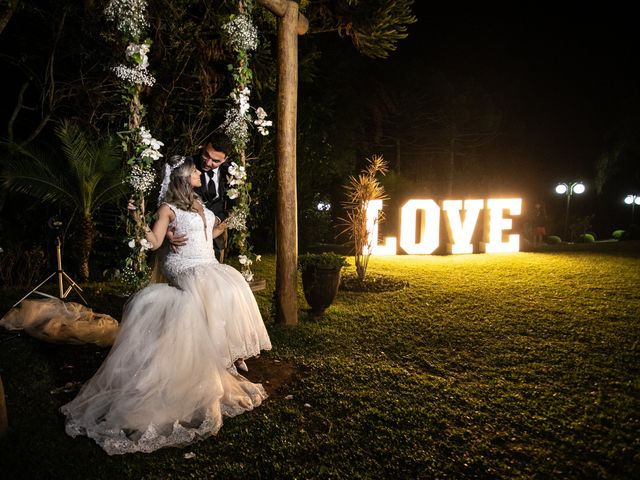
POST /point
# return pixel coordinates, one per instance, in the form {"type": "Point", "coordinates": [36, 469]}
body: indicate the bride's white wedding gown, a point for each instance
{"type": "Point", "coordinates": [165, 381]}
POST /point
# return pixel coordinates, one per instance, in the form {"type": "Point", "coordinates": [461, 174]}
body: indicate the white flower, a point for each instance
{"type": "Point", "coordinates": [237, 118]}
{"type": "Point", "coordinates": [147, 139]}
{"type": "Point", "coordinates": [237, 175]}
{"type": "Point", "coordinates": [258, 258]}
{"type": "Point", "coordinates": [128, 15]}
{"type": "Point", "coordinates": [145, 136]}
{"type": "Point", "coordinates": [233, 193]}
{"type": "Point", "coordinates": [241, 99]}
{"type": "Point", "coordinates": [132, 243]}
{"type": "Point", "coordinates": [242, 33]}
{"type": "Point", "coordinates": [138, 53]}
{"type": "Point", "coordinates": [244, 108]}
{"type": "Point", "coordinates": [248, 275]}
{"type": "Point", "coordinates": [140, 179]}
{"type": "Point", "coordinates": [146, 244]}
{"type": "Point", "coordinates": [237, 220]}
{"type": "Point", "coordinates": [134, 48]}
{"type": "Point", "coordinates": [246, 263]}
{"type": "Point", "coordinates": [136, 75]}
{"type": "Point", "coordinates": [235, 127]}
{"type": "Point", "coordinates": [151, 153]}
{"type": "Point", "coordinates": [262, 122]}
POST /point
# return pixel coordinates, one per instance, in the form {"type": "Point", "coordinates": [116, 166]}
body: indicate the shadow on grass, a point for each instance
{"type": "Point", "coordinates": [484, 366]}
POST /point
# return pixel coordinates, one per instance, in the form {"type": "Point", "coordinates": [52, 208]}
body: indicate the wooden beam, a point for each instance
{"type": "Point", "coordinates": [279, 7]}
{"type": "Point", "coordinates": [287, 217]}
{"type": "Point", "coordinates": [291, 23]}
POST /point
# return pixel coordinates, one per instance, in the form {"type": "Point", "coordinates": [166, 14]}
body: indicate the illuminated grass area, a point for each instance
{"type": "Point", "coordinates": [487, 366]}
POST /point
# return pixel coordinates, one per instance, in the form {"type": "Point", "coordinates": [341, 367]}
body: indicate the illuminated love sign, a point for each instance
{"type": "Point", "coordinates": [460, 230]}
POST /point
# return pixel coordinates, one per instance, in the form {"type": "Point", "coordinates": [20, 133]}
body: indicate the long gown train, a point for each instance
{"type": "Point", "coordinates": [166, 381]}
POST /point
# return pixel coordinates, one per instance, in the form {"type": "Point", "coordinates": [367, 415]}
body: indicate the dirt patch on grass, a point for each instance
{"type": "Point", "coordinates": [273, 374]}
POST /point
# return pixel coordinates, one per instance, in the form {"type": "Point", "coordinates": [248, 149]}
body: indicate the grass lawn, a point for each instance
{"type": "Point", "coordinates": [487, 366]}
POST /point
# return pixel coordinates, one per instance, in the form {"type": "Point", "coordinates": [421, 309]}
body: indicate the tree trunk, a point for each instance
{"type": "Point", "coordinates": [290, 24]}
{"type": "Point", "coordinates": [286, 222]}
{"type": "Point", "coordinates": [135, 111]}
{"type": "Point", "coordinates": [87, 244]}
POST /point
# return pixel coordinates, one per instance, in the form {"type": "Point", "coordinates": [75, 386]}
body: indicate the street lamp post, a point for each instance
{"type": "Point", "coordinates": [632, 200]}
{"type": "Point", "coordinates": [569, 189]}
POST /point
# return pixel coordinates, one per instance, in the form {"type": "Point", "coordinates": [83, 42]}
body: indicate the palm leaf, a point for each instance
{"type": "Point", "coordinates": [81, 177]}
{"type": "Point", "coordinates": [84, 178]}
{"type": "Point", "coordinates": [36, 174]}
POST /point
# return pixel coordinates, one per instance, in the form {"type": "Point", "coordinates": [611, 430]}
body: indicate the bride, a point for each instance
{"type": "Point", "coordinates": [170, 376]}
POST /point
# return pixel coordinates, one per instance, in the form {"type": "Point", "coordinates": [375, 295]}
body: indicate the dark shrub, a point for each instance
{"type": "Point", "coordinates": [322, 260]}
{"type": "Point", "coordinates": [585, 238]}
{"type": "Point", "coordinates": [632, 233]}
{"type": "Point", "coordinates": [553, 240]}
{"type": "Point", "coordinates": [22, 264]}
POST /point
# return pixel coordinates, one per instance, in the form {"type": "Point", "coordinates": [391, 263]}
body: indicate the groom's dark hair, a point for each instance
{"type": "Point", "coordinates": [219, 142]}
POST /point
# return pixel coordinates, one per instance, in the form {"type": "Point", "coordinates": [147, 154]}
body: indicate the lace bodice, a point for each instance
{"type": "Point", "coordinates": [199, 247]}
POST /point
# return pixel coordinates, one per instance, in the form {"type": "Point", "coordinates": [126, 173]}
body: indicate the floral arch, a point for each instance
{"type": "Point", "coordinates": [142, 150]}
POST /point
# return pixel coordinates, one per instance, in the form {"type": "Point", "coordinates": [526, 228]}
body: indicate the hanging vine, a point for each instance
{"type": "Point", "coordinates": [241, 36]}
{"type": "Point", "coordinates": [140, 148]}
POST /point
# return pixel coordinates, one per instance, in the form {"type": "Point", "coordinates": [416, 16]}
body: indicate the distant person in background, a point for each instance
{"type": "Point", "coordinates": [539, 224]}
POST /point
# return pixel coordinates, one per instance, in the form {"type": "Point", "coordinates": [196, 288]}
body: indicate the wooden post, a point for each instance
{"type": "Point", "coordinates": [290, 25]}
{"type": "Point", "coordinates": [279, 7]}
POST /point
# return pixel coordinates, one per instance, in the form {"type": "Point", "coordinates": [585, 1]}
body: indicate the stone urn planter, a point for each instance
{"type": "Point", "coordinates": [320, 278]}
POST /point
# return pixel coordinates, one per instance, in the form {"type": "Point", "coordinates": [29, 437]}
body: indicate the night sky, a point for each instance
{"type": "Point", "coordinates": [561, 82]}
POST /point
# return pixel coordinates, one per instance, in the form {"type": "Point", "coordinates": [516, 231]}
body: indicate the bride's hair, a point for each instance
{"type": "Point", "coordinates": [179, 191]}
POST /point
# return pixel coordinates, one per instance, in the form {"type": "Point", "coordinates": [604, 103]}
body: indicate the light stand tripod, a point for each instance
{"type": "Point", "coordinates": [62, 293]}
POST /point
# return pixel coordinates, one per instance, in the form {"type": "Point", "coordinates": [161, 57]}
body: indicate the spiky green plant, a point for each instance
{"type": "Point", "coordinates": [359, 192]}
{"type": "Point", "coordinates": [85, 177]}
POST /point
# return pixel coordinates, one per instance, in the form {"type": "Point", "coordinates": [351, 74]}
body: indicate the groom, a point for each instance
{"type": "Point", "coordinates": [211, 161]}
